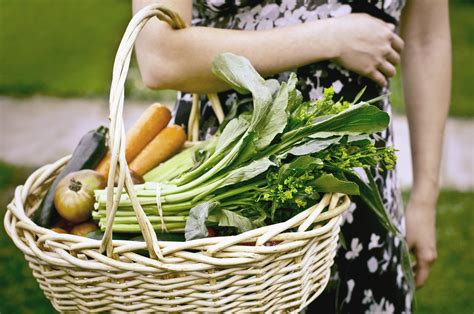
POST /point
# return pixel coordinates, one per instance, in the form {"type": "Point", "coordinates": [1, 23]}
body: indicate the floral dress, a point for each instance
{"type": "Point", "coordinates": [367, 277]}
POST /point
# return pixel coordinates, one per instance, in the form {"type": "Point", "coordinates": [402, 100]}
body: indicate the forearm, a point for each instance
{"type": "Point", "coordinates": [426, 73]}
{"type": "Point", "coordinates": [181, 59]}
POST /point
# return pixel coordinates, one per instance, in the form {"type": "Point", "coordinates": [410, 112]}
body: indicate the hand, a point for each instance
{"type": "Point", "coordinates": [421, 238]}
{"type": "Point", "coordinates": [367, 46]}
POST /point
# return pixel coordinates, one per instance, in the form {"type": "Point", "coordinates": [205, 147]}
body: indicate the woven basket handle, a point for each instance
{"type": "Point", "coordinates": [117, 130]}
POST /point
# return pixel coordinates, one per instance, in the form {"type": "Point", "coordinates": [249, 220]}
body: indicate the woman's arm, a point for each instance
{"type": "Point", "coordinates": [181, 59]}
{"type": "Point", "coordinates": [426, 72]}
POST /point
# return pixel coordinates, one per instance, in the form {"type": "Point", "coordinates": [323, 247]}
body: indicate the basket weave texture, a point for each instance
{"type": "Point", "coordinates": [276, 268]}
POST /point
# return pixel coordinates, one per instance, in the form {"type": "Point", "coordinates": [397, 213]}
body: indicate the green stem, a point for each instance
{"type": "Point", "coordinates": [171, 227]}
{"type": "Point", "coordinates": [153, 219]}
{"type": "Point", "coordinates": [233, 192]}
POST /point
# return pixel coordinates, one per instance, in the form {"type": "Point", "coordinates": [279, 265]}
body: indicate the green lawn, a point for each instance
{"type": "Point", "coordinates": [448, 291]}
{"type": "Point", "coordinates": [66, 48]}
{"type": "Point", "coordinates": [63, 48]}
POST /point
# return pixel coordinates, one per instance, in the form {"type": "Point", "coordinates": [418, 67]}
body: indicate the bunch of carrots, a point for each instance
{"type": "Point", "coordinates": [149, 142]}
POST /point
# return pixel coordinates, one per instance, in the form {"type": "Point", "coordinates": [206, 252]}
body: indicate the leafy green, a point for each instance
{"type": "Point", "coordinates": [313, 146]}
{"type": "Point", "coordinates": [328, 183]}
{"type": "Point", "coordinates": [227, 218]}
{"type": "Point", "coordinates": [247, 172]}
{"type": "Point", "coordinates": [196, 224]}
{"type": "Point", "coordinates": [233, 131]}
{"type": "Point", "coordinates": [241, 76]}
{"type": "Point", "coordinates": [275, 121]}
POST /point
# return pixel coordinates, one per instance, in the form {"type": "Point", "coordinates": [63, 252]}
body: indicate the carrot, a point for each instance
{"type": "Point", "coordinates": [154, 119]}
{"type": "Point", "coordinates": [84, 228]}
{"type": "Point", "coordinates": [167, 143]}
{"type": "Point", "coordinates": [58, 230]}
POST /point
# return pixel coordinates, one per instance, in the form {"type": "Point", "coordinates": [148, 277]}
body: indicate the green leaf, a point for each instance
{"type": "Point", "coordinates": [273, 85]}
{"type": "Point", "coordinates": [196, 223]}
{"type": "Point", "coordinates": [233, 130]}
{"type": "Point", "coordinates": [357, 119]}
{"type": "Point", "coordinates": [274, 121]}
{"type": "Point", "coordinates": [328, 183]}
{"type": "Point", "coordinates": [294, 96]}
{"type": "Point", "coordinates": [227, 218]}
{"type": "Point", "coordinates": [360, 139]}
{"type": "Point", "coordinates": [314, 146]}
{"type": "Point", "coordinates": [359, 95]}
{"type": "Point", "coordinates": [321, 135]}
{"type": "Point", "coordinates": [304, 163]}
{"type": "Point", "coordinates": [247, 172]}
{"type": "Point", "coordinates": [370, 195]}
{"type": "Point", "coordinates": [242, 76]}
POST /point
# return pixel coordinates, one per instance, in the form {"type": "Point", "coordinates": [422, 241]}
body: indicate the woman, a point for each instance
{"type": "Point", "coordinates": [347, 45]}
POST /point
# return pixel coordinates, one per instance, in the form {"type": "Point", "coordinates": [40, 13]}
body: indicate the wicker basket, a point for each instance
{"type": "Point", "coordinates": [269, 269]}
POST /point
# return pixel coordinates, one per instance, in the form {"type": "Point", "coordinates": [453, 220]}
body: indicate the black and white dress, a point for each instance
{"type": "Point", "coordinates": [368, 275]}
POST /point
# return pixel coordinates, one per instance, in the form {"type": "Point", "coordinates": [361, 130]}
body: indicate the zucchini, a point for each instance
{"type": "Point", "coordinates": [87, 155]}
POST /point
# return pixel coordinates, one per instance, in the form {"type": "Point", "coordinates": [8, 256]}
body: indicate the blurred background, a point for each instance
{"type": "Point", "coordinates": [56, 59]}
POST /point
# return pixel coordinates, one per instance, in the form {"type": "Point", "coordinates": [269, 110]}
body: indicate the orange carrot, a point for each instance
{"type": "Point", "coordinates": [167, 143]}
{"type": "Point", "coordinates": [58, 230]}
{"type": "Point", "coordinates": [84, 228]}
{"type": "Point", "coordinates": [151, 122]}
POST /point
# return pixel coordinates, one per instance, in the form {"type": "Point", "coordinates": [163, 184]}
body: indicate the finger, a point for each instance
{"type": "Point", "coordinates": [397, 43]}
{"type": "Point", "coordinates": [393, 57]}
{"type": "Point", "coordinates": [422, 271]}
{"type": "Point", "coordinates": [387, 69]}
{"type": "Point", "coordinates": [378, 78]}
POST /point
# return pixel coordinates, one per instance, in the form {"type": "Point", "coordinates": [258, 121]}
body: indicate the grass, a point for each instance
{"type": "Point", "coordinates": [448, 290]}
{"type": "Point", "coordinates": [63, 48]}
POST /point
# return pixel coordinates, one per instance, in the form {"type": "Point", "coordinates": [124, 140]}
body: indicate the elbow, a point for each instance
{"type": "Point", "coordinates": [160, 75]}
{"type": "Point", "coordinates": [151, 79]}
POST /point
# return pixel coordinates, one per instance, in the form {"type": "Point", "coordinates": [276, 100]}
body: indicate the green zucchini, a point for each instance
{"type": "Point", "coordinates": [87, 155]}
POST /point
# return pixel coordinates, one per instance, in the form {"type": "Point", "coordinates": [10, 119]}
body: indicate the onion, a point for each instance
{"type": "Point", "coordinates": [74, 196]}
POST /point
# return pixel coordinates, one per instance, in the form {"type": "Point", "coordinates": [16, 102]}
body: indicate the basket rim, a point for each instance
{"type": "Point", "coordinates": [248, 241]}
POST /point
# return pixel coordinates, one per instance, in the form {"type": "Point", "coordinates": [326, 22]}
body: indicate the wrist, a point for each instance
{"type": "Point", "coordinates": [422, 197]}
{"type": "Point", "coordinates": [326, 42]}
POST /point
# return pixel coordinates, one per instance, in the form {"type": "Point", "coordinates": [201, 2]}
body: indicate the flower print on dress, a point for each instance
{"type": "Point", "coordinates": [386, 260]}
{"type": "Point", "coordinates": [337, 85]}
{"type": "Point", "coordinates": [400, 276]}
{"type": "Point", "coordinates": [389, 308]}
{"type": "Point", "coordinates": [350, 288]}
{"type": "Point", "coordinates": [372, 264]}
{"type": "Point", "coordinates": [368, 296]}
{"type": "Point", "coordinates": [348, 215]}
{"type": "Point", "coordinates": [374, 241]}
{"type": "Point", "coordinates": [384, 307]}
{"type": "Point", "coordinates": [356, 248]}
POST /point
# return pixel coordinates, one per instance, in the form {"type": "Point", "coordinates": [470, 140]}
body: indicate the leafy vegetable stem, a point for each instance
{"type": "Point", "coordinates": [233, 192]}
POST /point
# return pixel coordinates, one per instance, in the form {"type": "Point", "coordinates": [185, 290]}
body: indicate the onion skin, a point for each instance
{"type": "Point", "coordinates": [74, 196]}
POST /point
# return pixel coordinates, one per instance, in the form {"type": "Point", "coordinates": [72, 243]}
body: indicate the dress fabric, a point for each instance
{"type": "Point", "coordinates": [367, 276]}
